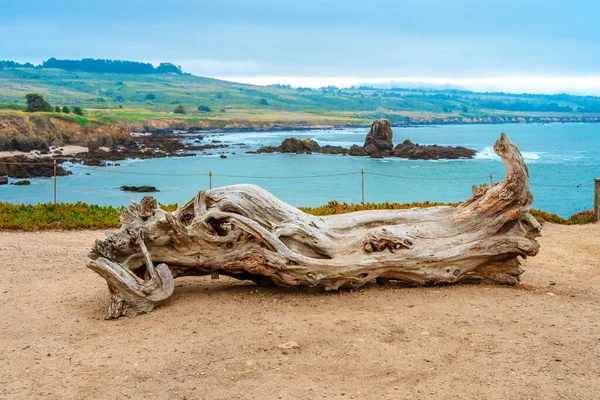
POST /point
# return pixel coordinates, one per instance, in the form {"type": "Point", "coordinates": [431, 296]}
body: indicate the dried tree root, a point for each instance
{"type": "Point", "coordinates": [244, 232]}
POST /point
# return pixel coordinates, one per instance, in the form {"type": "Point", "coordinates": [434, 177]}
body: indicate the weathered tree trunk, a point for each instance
{"type": "Point", "coordinates": [244, 232]}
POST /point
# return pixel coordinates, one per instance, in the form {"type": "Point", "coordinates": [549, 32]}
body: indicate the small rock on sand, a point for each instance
{"type": "Point", "coordinates": [289, 345]}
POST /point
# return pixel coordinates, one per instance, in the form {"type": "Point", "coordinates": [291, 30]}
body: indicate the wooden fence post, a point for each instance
{"type": "Point", "coordinates": [362, 173]}
{"type": "Point", "coordinates": [597, 199]}
{"type": "Point", "coordinates": [54, 181]}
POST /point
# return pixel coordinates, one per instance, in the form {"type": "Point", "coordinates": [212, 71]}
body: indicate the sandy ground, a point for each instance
{"type": "Point", "coordinates": [65, 150]}
{"type": "Point", "coordinates": [219, 339]}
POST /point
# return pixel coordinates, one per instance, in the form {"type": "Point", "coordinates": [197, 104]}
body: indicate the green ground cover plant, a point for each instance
{"type": "Point", "coordinates": [66, 216]}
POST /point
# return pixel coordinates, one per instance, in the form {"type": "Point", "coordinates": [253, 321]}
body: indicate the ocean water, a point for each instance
{"type": "Point", "coordinates": [563, 161]}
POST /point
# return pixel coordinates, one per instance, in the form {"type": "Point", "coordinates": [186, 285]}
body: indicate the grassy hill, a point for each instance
{"type": "Point", "coordinates": [140, 97]}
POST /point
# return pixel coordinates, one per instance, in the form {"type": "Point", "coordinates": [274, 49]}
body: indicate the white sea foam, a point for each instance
{"type": "Point", "coordinates": [530, 155]}
{"type": "Point", "coordinates": [488, 154]}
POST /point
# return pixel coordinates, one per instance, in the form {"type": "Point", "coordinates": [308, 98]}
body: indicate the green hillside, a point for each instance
{"type": "Point", "coordinates": [137, 97]}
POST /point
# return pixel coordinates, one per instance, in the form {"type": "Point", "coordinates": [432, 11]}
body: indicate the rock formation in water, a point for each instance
{"type": "Point", "coordinates": [305, 146]}
{"type": "Point", "coordinates": [378, 144]}
{"type": "Point", "coordinates": [21, 183]}
{"type": "Point", "coordinates": [139, 189]}
{"type": "Point", "coordinates": [358, 151]}
{"type": "Point", "coordinates": [379, 139]}
{"type": "Point", "coordinates": [25, 167]}
{"type": "Point", "coordinates": [408, 149]}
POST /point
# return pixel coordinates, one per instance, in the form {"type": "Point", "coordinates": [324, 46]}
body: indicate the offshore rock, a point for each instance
{"type": "Point", "coordinates": [24, 167]}
{"type": "Point", "coordinates": [378, 144]}
{"type": "Point", "coordinates": [305, 146]}
{"type": "Point", "coordinates": [416, 152]}
{"type": "Point", "coordinates": [139, 189]}
{"type": "Point", "coordinates": [379, 138]}
{"type": "Point", "coordinates": [358, 151]}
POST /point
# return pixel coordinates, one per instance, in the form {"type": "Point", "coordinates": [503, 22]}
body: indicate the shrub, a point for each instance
{"type": "Point", "coordinates": [263, 102]}
{"type": "Point", "coordinates": [583, 217]}
{"type": "Point", "coordinates": [36, 103]}
{"type": "Point", "coordinates": [62, 216]}
{"type": "Point", "coordinates": [180, 109]}
{"type": "Point", "coordinates": [203, 108]}
{"type": "Point", "coordinates": [66, 110]}
{"type": "Point", "coordinates": [150, 96]}
{"type": "Point", "coordinates": [77, 110]}
{"type": "Point", "coordinates": [543, 216]}
{"type": "Point", "coordinates": [57, 109]}
{"type": "Point", "coordinates": [333, 207]}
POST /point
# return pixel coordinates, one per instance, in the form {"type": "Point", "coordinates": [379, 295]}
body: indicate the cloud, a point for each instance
{"type": "Point", "coordinates": [210, 67]}
{"type": "Point", "coordinates": [587, 85]}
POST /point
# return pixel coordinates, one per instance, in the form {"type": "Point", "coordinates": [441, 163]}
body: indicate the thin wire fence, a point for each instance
{"type": "Point", "coordinates": [362, 172]}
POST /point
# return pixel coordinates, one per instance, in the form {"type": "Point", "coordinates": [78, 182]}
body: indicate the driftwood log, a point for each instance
{"type": "Point", "coordinates": [242, 231]}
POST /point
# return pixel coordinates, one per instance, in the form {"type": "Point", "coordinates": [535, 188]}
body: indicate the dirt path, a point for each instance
{"type": "Point", "coordinates": [219, 339]}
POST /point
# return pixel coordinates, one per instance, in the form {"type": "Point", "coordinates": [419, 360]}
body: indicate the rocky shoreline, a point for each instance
{"type": "Point", "coordinates": [39, 163]}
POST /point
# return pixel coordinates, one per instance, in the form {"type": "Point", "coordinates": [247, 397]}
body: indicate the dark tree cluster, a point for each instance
{"type": "Point", "coordinates": [7, 64]}
{"type": "Point", "coordinates": [111, 66]}
{"type": "Point", "coordinates": [168, 68]}
{"type": "Point", "coordinates": [180, 109]}
{"type": "Point", "coordinates": [36, 103]}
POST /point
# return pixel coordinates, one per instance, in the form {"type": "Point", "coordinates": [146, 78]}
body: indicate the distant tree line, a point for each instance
{"type": "Point", "coordinates": [280, 86]}
{"type": "Point", "coordinates": [7, 64]}
{"type": "Point", "coordinates": [93, 65]}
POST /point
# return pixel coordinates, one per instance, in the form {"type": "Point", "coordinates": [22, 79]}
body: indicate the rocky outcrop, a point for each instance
{"type": "Point", "coordinates": [3, 180]}
{"type": "Point", "coordinates": [139, 189]}
{"type": "Point", "coordinates": [358, 151]}
{"type": "Point", "coordinates": [416, 152]}
{"type": "Point", "coordinates": [25, 167]}
{"type": "Point", "coordinates": [206, 147]}
{"type": "Point", "coordinates": [379, 138]}
{"type": "Point", "coordinates": [21, 183]}
{"type": "Point", "coordinates": [140, 147]}
{"type": "Point", "coordinates": [305, 146]}
{"type": "Point", "coordinates": [378, 144]}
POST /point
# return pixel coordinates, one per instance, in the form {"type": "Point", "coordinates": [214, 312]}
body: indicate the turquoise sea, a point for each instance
{"type": "Point", "coordinates": [563, 161]}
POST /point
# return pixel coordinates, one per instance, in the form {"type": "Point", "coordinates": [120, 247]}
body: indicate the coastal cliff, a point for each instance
{"type": "Point", "coordinates": [26, 132]}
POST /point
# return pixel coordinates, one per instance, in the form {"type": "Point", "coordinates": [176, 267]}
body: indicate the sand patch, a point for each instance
{"type": "Point", "coordinates": [223, 339]}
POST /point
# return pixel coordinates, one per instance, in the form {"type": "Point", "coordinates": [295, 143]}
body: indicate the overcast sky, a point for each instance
{"type": "Point", "coordinates": [517, 45]}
